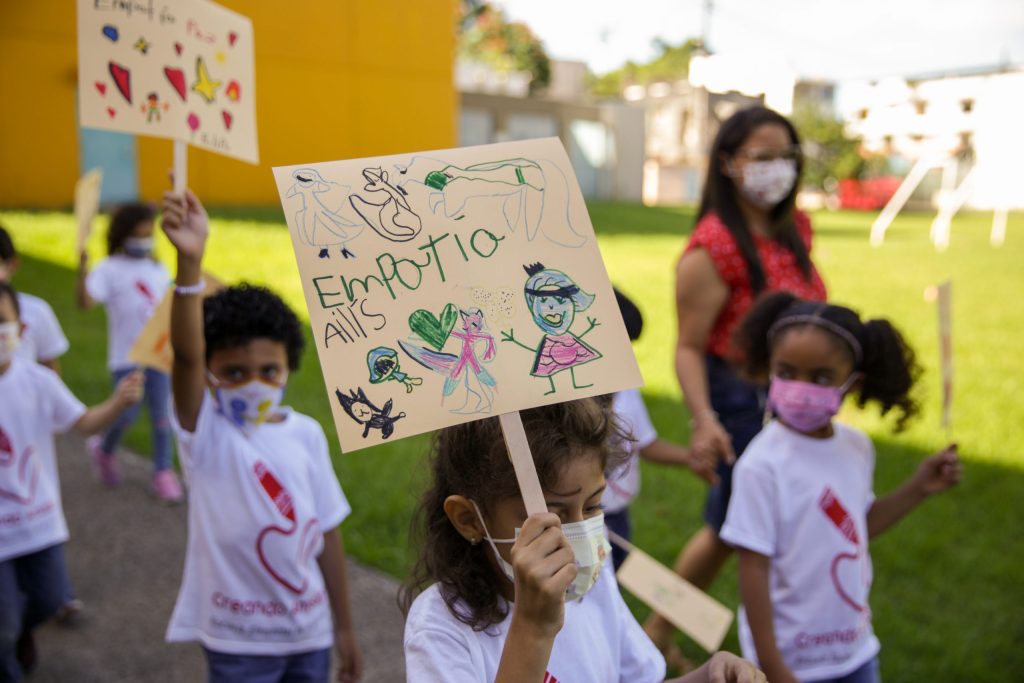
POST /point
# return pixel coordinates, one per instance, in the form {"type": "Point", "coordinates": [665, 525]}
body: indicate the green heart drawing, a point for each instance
{"type": "Point", "coordinates": [432, 330]}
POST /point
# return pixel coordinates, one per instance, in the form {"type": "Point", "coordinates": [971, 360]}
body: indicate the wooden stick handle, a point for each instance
{"type": "Point", "coordinates": [522, 461]}
{"type": "Point", "coordinates": [180, 166]}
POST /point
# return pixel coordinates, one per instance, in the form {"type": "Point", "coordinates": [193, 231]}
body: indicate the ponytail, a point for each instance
{"type": "Point", "coordinates": [890, 371]}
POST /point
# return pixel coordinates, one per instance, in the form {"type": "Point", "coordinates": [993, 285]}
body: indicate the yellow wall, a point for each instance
{"type": "Point", "coordinates": [334, 79]}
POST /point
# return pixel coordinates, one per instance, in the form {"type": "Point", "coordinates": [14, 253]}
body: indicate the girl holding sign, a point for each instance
{"type": "Point", "coordinates": [803, 507]}
{"type": "Point", "coordinates": [505, 597]}
{"type": "Point", "coordinates": [130, 284]}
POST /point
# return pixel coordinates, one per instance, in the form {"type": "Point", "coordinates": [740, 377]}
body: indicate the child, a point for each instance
{"type": "Point", "coordinates": [265, 565]}
{"type": "Point", "coordinates": [803, 509]}
{"type": "Point", "coordinates": [130, 283]}
{"type": "Point", "coordinates": [624, 483]}
{"type": "Point", "coordinates": [525, 604]}
{"type": "Point", "coordinates": [34, 405]}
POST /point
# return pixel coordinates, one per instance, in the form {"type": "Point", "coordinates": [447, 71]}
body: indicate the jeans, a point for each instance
{"type": "Point", "coordinates": [740, 407]}
{"type": "Point", "coordinates": [868, 673]}
{"type": "Point", "coordinates": [31, 591]}
{"type": "Point", "coordinates": [302, 667]}
{"type": "Point", "coordinates": [158, 401]}
{"type": "Point", "coordinates": [620, 524]}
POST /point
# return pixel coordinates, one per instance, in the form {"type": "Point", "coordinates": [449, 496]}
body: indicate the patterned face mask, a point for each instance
{"type": "Point", "coordinates": [248, 405]}
{"type": "Point", "coordinates": [804, 406]}
{"type": "Point", "coordinates": [766, 183]}
{"type": "Point", "coordinates": [10, 335]}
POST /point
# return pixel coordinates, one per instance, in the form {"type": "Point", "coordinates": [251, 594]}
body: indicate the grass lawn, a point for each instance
{"type": "Point", "coordinates": [947, 578]}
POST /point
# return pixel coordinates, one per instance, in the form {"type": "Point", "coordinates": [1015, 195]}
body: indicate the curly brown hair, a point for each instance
{"type": "Point", "coordinates": [889, 365]}
{"type": "Point", "coordinates": [471, 460]}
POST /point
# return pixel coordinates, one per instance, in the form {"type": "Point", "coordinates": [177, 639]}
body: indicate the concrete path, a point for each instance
{"type": "Point", "coordinates": [126, 555]}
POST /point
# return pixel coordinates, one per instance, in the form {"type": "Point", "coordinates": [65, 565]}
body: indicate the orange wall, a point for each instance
{"type": "Point", "coordinates": [334, 80]}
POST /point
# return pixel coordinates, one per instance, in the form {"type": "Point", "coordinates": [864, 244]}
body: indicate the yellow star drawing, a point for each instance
{"type": "Point", "coordinates": [141, 45]}
{"type": "Point", "coordinates": [204, 85]}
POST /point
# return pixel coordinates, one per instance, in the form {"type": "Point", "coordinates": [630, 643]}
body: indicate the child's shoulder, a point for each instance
{"type": "Point", "coordinates": [853, 437]}
{"type": "Point", "coordinates": [430, 611]}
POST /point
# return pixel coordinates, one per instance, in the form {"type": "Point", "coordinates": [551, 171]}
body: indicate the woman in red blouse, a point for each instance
{"type": "Point", "coordinates": [749, 239]}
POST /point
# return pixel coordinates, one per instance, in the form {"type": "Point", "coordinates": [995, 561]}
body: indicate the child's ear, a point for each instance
{"type": "Point", "coordinates": [462, 515]}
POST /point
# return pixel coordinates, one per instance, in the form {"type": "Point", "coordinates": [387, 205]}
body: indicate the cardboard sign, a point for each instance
{"type": "Point", "coordinates": [692, 611]}
{"type": "Point", "coordinates": [181, 70]}
{"type": "Point", "coordinates": [87, 204]}
{"type": "Point", "coordinates": [152, 348]}
{"type": "Point", "coordinates": [944, 306]}
{"type": "Point", "coordinates": [452, 285]}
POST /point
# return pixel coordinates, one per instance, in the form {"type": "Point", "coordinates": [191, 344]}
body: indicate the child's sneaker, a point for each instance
{"type": "Point", "coordinates": [166, 486]}
{"type": "Point", "coordinates": [105, 464]}
{"type": "Point", "coordinates": [70, 613]}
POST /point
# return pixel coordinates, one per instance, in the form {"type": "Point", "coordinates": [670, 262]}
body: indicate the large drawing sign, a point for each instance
{"type": "Point", "coordinates": [181, 70]}
{"type": "Point", "coordinates": [452, 285]}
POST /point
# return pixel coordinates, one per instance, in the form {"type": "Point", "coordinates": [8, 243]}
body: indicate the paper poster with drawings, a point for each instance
{"type": "Point", "coordinates": [452, 285]}
{"type": "Point", "coordinates": [181, 70]}
{"type": "Point", "coordinates": [152, 348]}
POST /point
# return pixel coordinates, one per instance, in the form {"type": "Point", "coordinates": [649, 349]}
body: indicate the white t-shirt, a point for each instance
{"type": "Point", "coordinates": [600, 642]}
{"type": "Point", "coordinates": [803, 502]}
{"type": "Point", "coordinates": [34, 404]}
{"type": "Point", "coordinates": [130, 288]}
{"type": "Point", "coordinates": [623, 484]}
{"type": "Point", "coordinates": [258, 510]}
{"type": "Point", "coordinates": [42, 338]}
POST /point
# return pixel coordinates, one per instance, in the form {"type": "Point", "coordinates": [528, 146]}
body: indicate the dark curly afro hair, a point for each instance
{"type": "Point", "coordinates": [237, 315]}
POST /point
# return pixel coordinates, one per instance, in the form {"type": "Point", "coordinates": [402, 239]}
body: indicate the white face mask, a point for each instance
{"type": "Point", "coordinates": [10, 336]}
{"type": "Point", "coordinates": [248, 405]}
{"type": "Point", "coordinates": [588, 544]}
{"type": "Point", "coordinates": [766, 183]}
{"type": "Point", "coordinates": [138, 247]}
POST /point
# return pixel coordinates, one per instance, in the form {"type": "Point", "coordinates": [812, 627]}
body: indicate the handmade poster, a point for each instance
{"type": "Point", "coordinates": [152, 348]}
{"type": "Point", "coordinates": [87, 204]}
{"type": "Point", "coordinates": [692, 611]}
{"type": "Point", "coordinates": [181, 70]}
{"type": "Point", "coordinates": [452, 285]}
{"type": "Point", "coordinates": [945, 305]}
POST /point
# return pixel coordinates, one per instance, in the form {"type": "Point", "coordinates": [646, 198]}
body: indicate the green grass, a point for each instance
{"type": "Point", "coordinates": [947, 594]}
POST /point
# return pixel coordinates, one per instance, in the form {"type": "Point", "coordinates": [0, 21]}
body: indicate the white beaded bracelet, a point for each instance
{"type": "Point", "coordinates": [190, 290]}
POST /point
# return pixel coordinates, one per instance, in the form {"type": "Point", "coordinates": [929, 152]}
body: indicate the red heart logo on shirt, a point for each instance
{"type": "Point", "coordinates": [286, 557]}
{"type": "Point", "coordinates": [845, 576]}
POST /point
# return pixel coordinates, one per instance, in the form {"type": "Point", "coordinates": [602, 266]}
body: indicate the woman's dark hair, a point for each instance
{"type": "Point", "coordinates": [887, 363]}
{"type": "Point", "coordinates": [7, 250]}
{"type": "Point", "coordinates": [471, 460]}
{"type": "Point", "coordinates": [720, 194]}
{"type": "Point", "coordinates": [124, 221]}
{"type": "Point", "coordinates": [7, 290]}
{"type": "Point", "coordinates": [235, 316]}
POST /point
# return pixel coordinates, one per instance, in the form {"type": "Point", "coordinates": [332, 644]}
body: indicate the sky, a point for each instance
{"type": "Point", "coordinates": [836, 40]}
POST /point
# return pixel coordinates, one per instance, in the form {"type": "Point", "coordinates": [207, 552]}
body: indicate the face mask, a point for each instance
{"type": "Point", "coordinates": [10, 335]}
{"type": "Point", "coordinates": [248, 405]}
{"type": "Point", "coordinates": [804, 406]}
{"type": "Point", "coordinates": [588, 544]}
{"type": "Point", "coordinates": [766, 183]}
{"type": "Point", "coordinates": [138, 247]}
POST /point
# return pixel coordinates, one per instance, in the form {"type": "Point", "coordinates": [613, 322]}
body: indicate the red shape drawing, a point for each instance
{"type": "Point", "coordinates": [228, 119]}
{"type": "Point", "coordinates": [102, 87]}
{"type": "Point", "coordinates": [177, 80]}
{"type": "Point", "coordinates": [232, 37]}
{"type": "Point", "coordinates": [111, 112]}
{"type": "Point", "coordinates": [233, 91]}
{"type": "Point", "coordinates": [178, 47]}
{"type": "Point", "coordinates": [193, 122]}
{"type": "Point", "coordinates": [6, 449]}
{"type": "Point", "coordinates": [122, 79]}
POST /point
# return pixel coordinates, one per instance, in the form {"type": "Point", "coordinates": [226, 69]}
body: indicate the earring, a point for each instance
{"type": "Point", "coordinates": [474, 541]}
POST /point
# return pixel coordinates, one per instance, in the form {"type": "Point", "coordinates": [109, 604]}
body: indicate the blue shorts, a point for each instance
{"type": "Point", "coordinates": [301, 667]}
{"type": "Point", "coordinates": [740, 407]}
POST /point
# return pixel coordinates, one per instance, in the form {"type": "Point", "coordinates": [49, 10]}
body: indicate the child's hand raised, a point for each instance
{"type": "Point", "coordinates": [185, 223]}
{"type": "Point", "coordinates": [938, 472]}
{"type": "Point", "coordinates": [544, 566]}
{"type": "Point", "coordinates": [130, 389]}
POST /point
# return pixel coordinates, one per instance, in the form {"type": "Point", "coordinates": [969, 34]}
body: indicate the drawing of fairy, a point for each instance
{"type": "Point", "coordinates": [554, 299]}
{"type": "Point", "coordinates": [383, 365]}
{"type": "Point", "coordinates": [465, 368]}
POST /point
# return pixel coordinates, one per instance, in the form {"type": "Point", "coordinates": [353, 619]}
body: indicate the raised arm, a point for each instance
{"type": "Point", "coordinates": [700, 296]}
{"type": "Point", "coordinates": [934, 475]}
{"type": "Point", "coordinates": [186, 225]}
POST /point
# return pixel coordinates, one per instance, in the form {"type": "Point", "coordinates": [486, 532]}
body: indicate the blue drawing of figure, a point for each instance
{"type": "Point", "coordinates": [319, 226]}
{"type": "Point", "coordinates": [554, 299]}
{"type": "Point", "coordinates": [383, 365]}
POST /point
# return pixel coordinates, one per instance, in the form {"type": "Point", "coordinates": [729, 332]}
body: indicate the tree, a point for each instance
{"type": "Point", "coordinates": [829, 152]}
{"type": "Point", "coordinates": [672, 63]}
{"type": "Point", "coordinates": [485, 35]}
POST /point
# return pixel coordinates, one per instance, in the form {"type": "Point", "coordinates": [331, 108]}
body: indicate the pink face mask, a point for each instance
{"type": "Point", "coordinates": [804, 406]}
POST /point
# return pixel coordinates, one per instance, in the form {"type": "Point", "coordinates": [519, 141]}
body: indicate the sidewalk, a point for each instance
{"type": "Point", "coordinates": [125, 557]}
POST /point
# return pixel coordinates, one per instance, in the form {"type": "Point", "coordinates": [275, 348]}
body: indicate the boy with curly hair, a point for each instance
{"type": "Point", "coordinates": [265, 565]}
